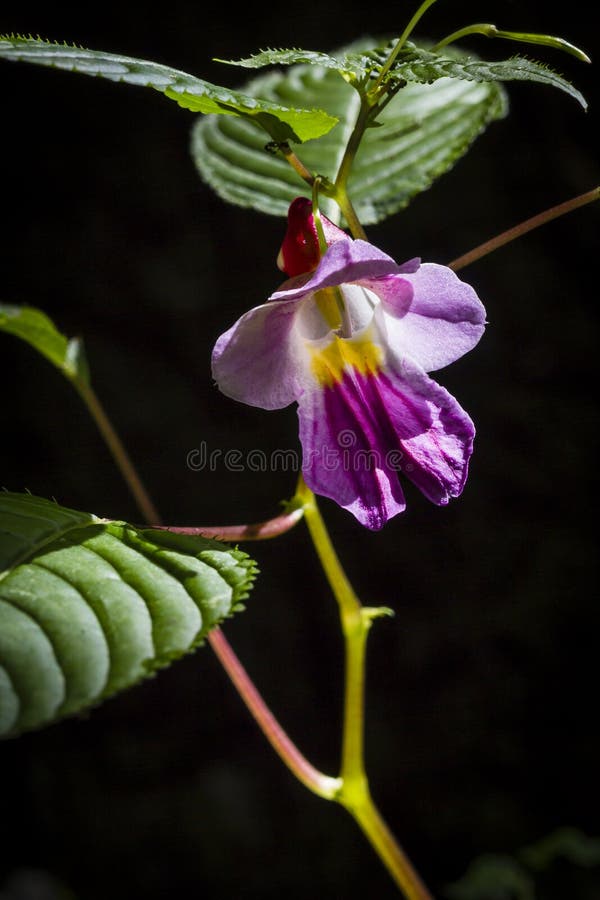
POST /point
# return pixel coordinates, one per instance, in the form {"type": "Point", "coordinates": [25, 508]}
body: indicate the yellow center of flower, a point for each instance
{"type": "Point", "coordinates": [330, 304]}
{"type": "Point", "coordinates": [342, 354]}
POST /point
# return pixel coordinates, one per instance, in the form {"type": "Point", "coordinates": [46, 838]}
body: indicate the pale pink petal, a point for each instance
{"type": "Point", "coordinates": [346, 261]}
{"type": "Point", "coordinates": [260, 360]}
{"type": "Point", "coordinates": [444, 320]}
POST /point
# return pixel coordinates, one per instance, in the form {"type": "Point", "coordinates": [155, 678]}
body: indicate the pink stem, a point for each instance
{"type": "Point", "coordinates": [259, 531]}
{"type": "Point", "coordinates": [310, 777]}
{"type": "Point", "coordinates": [553, 213]}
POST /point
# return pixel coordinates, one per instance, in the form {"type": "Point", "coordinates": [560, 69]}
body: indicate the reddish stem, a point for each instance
{"type": "Point", "coordinates": [259, 531]}
{"type": "Point", "coordinates": [553, 213]}
{"type": "Point", "coordinates": [287, 751]}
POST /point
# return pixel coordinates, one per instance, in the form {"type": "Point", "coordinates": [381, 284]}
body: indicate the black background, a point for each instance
{"type": "Point", "coordinates": [482, 731]}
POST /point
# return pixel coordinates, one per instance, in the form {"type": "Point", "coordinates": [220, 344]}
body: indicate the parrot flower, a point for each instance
{"type": "Point", "coordinates": [350, 338]}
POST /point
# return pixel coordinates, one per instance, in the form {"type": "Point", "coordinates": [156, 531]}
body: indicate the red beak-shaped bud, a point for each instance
{"type": "Point", "coordinates": [300, 248]}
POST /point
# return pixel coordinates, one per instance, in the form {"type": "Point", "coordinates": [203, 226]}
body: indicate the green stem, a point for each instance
{"type": "Point", "coordinates": [344, 203]}
{"type": "Point", "coordinates": [337, 191]}
{"type": "Point", "coordinates": [351, 789]}
{"type": "Point", "coordinates": [348, 602]}
{"type": "Point", "coordinates": [402, 40]}
{"type": "Point", "coordinates": [354, 794]}
{"type": "Point", "coordinates": [383, 842]}
{"type": "Point", "coordinates": [372, 101]}
{"type": "Point", "coordinates": [355, 622]}
{"type": "Point", "coordinates": [355, 631]}
{"type": "Point", "coordinates": [341, 182]}
{"type": "Point", "coordinates": [491, 31]}
{"type": "Point", "coordinates": [118, 451]}
{"type": "Point", "coordinates": [341, 179]}
{"type": "Point", "coordinates": [317, 215]}
{"type": "Point", "coordinates": [528, 225]}
{"type": "Point", "coordinates": [296, 164]}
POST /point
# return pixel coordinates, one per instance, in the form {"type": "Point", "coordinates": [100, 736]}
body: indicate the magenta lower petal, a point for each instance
{"type": "Point", "coordinates": [360, 434]}
{"type": "Point", "coordinates": [341, 458]}
{"type": "Point", "coordinates": [433, 431]}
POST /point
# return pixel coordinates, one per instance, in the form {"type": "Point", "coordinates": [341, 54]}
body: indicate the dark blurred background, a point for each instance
{"type": "Point", "coordinates": [482, 726]}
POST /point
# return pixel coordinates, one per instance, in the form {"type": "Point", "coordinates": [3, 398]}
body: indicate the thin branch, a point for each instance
{"type": "Point", "coordinates": [259, 531]}
{"type": "Point", "coordinates": [118, 451]}
{"type": "Point", "coordinates": [528, 225]}
{"type": "Point", "coordinates": [305, 772]}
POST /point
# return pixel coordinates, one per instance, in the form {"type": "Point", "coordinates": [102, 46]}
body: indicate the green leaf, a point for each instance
{"type": "Point", "coordinates": [34, 327]}
{"type": "Point", "coordinates": [281, 122]}
{"type": "Point", "coordinates": [89, 607]}
{"type": "Point", "coordinates": [424, 130]}
{"type": "Point", "coordinates": [287, 58]}
{"type": "Point", "coordinates": [420, 65]}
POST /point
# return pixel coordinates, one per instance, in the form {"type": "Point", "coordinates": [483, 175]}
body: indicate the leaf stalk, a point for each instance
{"type": "Point", "coordinates": [288, 752]}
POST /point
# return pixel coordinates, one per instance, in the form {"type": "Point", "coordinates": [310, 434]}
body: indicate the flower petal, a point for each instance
{"type": "Point", "coordinates": [395, 292]}
{"type": "Point", "coordinates": [258, 360]}
{"type": "Point", "coordinates": [444, 321]}
{"type": "Point", "coordinates": [360, 430]}
{"type": "Point", "coordinates": [345, 261]}
{"type": "Point", "coordinates": [341, 455]}
{"type": "Point", "coordinates": [432, 429]}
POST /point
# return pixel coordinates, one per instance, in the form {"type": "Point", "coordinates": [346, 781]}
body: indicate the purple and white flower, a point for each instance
{"type": "Point", "coordinates": [351, 342]}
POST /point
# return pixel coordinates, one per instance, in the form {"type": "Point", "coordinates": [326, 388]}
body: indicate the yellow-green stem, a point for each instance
{"type": "Point", "coordinates": [354, 794]}
{"type": "Point", "coordinates": [384, 843]}
{"type": "Point", "coordinates": [341, 180]}
{"type": "Point", "coordinates": [312, 778]}
{"type": "Point", "coordinates": [343, 591]}
{"type": "Point", "coordinates": [355, 629]}
{"type": "Point", "coordinates": [297, 164]}
{"type": "Point", "coordinates": [351, 788]}
{"type": "Point", "coordinates": [345, 204]}
{"type": "Point", "coordinates": [402, 40]}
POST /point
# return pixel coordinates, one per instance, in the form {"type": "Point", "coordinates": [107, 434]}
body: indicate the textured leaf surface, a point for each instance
{"type": "Point", "coordinates": [281, 122]}
{"type": "Point", "coordinates": [419, 65]}
{"type": "Point", "coordinates": [424, 130]}
{"type": "Point", "coordinates": [34, 327]}
{"type": "Point", "coordinates": [89, 607]}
